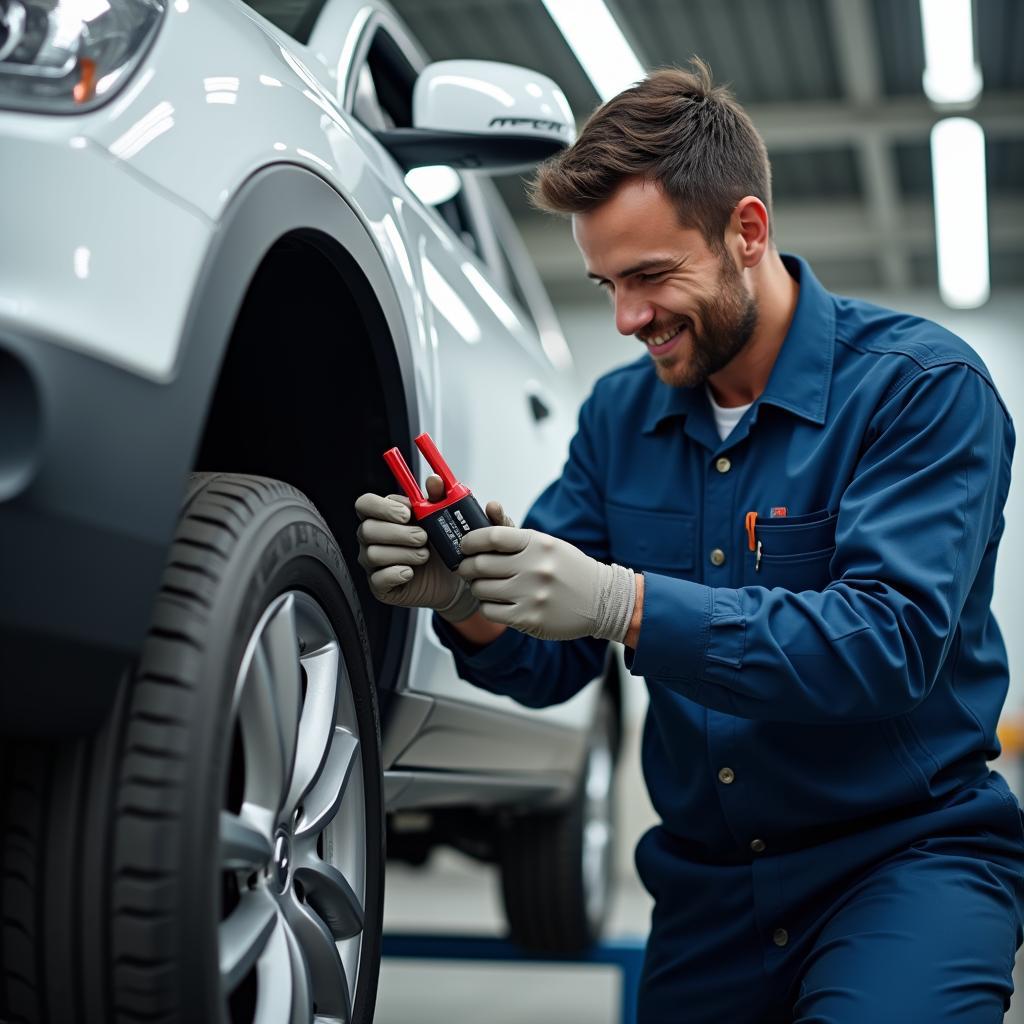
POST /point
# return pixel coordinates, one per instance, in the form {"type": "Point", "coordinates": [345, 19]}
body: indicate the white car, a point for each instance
{"type": "Point", "coordinates": [223, 296]}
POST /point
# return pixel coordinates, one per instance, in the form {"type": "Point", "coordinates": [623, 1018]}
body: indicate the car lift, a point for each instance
{"type": "Point", "coordinates": [625, 953]}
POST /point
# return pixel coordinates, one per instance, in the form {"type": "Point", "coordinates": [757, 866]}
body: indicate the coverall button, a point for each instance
{"type": "Point", "coordinates": [757, 845]}
{"type": "Point", "coordinates": [780, 937]}
{"type": "Point", "coordinates": [717, 557]}
{"type": "Point", "coordinates": [726, 775]}
{"type": "Point", "coordinates": [723, 465]}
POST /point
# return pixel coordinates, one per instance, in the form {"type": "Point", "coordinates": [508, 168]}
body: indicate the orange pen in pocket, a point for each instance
{"type": "Point", "coordinates": [752, 542]}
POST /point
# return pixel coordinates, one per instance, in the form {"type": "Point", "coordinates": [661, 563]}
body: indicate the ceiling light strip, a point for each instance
{"type": "Point", "coordinates": [598, 44]}
{"type": "Point", "coordinates": [951, 74]}
{"type": "Point", "coordinates": [961, 211]}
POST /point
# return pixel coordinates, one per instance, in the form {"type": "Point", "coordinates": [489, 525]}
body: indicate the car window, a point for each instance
{"type": "Point", "coordinates": [296, 17]}
{"type": "Point", "coordinates": [510, 279]}
{"type": "Point", "coordinates": [518, 274]}
{"type": "Point", "coordinates": [382, 99]}
{"type": "Point", "coordinates": [512, 266]}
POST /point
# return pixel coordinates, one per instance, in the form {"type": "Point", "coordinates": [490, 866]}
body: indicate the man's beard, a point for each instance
{"type": "Point", "coordinates": [728, 320]}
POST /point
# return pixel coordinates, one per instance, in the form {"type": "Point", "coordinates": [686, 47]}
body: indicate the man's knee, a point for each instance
{"type": "Point", "coordinates": [929, 939]}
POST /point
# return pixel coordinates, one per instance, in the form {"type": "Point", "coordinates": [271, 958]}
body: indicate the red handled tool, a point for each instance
{"type": "Point", "coordinates": [446, 521]}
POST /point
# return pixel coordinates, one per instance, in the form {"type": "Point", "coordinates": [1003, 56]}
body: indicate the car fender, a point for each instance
{"type": "Point", "coordinates": [83, 542]}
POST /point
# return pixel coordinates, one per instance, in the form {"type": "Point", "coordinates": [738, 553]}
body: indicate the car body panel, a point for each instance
{"type": "Point", "coordinates": [64, 280]}
{"type": "Point", "coordinates": [120, 272]}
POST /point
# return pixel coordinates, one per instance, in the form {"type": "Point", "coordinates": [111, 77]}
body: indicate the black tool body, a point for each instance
{"type": "Point", "coordinates": [446, 521]}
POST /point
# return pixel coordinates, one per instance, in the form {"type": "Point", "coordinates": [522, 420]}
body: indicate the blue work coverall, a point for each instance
{"type": "Point", "coordinates": [833, 846]}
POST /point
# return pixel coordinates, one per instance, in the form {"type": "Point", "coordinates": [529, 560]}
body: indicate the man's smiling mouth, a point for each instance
{"type": "Point", "coordinates": [659, 340]}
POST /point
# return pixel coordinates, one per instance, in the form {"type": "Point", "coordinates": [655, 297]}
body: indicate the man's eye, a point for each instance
{"type": "Point", "coordinates": [653, 277]}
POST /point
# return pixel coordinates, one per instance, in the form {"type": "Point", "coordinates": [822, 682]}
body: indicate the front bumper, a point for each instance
{"type": "Point", "coordinates": [98, 272]}
{"type": "Point", "coordinates": [84, 529]}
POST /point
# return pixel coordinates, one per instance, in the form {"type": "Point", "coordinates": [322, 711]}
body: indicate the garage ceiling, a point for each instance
{"type": "Point", "coordinates": [835, 88]}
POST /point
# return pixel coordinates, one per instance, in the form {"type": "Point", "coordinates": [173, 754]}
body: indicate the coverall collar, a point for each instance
{"type": "Point", "coordinates": [802, 375]}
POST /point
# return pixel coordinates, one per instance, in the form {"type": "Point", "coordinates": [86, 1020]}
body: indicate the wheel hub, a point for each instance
{"type": "Point", "coordinates": [280, 867]}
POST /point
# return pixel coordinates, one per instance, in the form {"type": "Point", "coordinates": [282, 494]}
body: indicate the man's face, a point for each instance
{"type": "Point", "coordinates": [666, 283]}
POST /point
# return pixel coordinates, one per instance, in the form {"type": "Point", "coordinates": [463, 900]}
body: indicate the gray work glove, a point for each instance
{"type": "Point", "coordinates": [403, 569]}
{"type": "Point", "coordinates": [544, 586]}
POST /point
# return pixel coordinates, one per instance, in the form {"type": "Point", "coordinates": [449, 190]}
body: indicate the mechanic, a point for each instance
{"type": "Point", "coordinates": [788, 510]}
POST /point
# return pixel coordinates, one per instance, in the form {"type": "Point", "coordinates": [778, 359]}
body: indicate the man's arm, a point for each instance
{"type": "Point", "coordinates": [920, 514]}
{"type": "Point", "coordinates": [478, 630]}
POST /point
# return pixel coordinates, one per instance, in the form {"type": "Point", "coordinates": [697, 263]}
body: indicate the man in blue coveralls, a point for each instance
{"type": "Point", "coordinates": [788, 509]}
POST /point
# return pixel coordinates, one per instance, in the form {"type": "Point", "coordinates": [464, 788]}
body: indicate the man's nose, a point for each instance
{"type": "Point", "coordinates": [632, 314]}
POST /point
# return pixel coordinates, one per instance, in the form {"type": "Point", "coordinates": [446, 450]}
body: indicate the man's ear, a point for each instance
{"type": "Point", "coordinates": [748, 234]}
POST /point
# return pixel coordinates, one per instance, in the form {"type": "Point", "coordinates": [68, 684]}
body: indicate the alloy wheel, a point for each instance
{"type": "Point", "coordinates": [293, 828]}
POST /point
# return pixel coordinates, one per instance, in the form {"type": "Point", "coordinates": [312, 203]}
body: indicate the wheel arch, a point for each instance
{"type": "Point", "coordinates": [316, 408]}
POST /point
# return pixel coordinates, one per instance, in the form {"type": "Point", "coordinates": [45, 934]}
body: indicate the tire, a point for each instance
{"type": "Point", "coordinates": [557, 868]}
{"type": "Point", "coordinates": [241, 852]}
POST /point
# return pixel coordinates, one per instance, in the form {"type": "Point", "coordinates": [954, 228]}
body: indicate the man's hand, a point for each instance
{"type": "Point", "coordinates": [544, 586]}
{"type": "Point", "coordinates": [403, 569]}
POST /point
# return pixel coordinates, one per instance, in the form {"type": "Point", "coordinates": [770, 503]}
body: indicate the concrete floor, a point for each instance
{"type": "Point", "coordinates": [457, 895]}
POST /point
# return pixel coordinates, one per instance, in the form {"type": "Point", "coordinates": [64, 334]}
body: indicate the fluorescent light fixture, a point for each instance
{"type": "Point", "coordinates": [950, 72]}
{"type": "Point", "coordinates": [597, 41]}
{"type": "Point", "coordinates": [961, 211]}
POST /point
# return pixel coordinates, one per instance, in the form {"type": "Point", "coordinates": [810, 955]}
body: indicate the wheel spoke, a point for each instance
{"type": "Point", "coordinates": [302, 989]}
{"type": "Point", "coordinates": [243, 936]}
{"type": "Point", "coordinates": [265, 768]}
{"type": "Point", "coordinates": [330, 895]}
{"type": "Point", "coordinates": [316, 724]}
{"type": "Point", "coordinates": [275, 981]}
{"type": "Point", "coordinates": [326, 971]}
{"type": "Point", "coordinates": [281, 642]}
{"type": "Point", "coordinates": [324, 799]}
{"type": "Point", "coordinates": [242, 845]}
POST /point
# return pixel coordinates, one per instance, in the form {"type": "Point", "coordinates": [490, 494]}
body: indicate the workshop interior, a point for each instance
{"type": "Point", "coordinates": [260, 258]}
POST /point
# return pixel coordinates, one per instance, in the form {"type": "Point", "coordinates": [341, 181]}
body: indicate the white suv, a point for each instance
{"type": "Point", "coordinates": [222, 297]}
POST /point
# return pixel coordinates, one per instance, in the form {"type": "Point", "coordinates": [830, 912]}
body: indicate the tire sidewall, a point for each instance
{"type": "Point", "coordinates": [285, 547]}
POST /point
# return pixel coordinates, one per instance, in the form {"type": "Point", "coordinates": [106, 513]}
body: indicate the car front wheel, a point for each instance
{"type": "Point", "coordinates": [243, 867]}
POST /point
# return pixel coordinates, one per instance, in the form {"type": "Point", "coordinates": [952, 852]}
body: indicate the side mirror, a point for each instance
{"type": "Point", "coordinates": [482, 115]}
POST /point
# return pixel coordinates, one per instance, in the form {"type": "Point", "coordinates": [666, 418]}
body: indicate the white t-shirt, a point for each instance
{"type": "Point", "coordinates": [726, 418]}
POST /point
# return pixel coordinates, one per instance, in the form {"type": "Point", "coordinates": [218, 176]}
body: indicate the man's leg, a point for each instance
{"type": "Point", "coordinates": [929, 937]}
{"type": "Point", "coordinates": [704, 962]}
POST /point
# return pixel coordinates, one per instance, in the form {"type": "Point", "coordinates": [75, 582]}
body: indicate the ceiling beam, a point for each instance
{"type": "Point", "coordinates": [856, 45]}
{"type": "Point", "coordinates": [902, 119]}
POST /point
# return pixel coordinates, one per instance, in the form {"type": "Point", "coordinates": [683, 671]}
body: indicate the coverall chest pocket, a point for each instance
{"type": "Point", "coordinates": [796, 553]}
{"type": "Point", "coordinates": [659, 541]}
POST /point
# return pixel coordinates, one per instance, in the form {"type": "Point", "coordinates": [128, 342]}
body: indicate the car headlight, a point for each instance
{"type": "Point", "coordinates": [66, 56]}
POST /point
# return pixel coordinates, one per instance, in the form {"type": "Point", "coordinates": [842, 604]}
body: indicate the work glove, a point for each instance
{"type": "Point", "coordinates": [403, 569]}
{"type": "Point", "coordinates": [544, 586]}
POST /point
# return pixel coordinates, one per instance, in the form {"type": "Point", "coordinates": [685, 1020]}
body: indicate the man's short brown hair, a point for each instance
{"type": "Point", "coordinates": [676, 128]}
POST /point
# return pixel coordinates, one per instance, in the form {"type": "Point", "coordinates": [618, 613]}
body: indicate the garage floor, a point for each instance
{"type": "Point", "coordinates": [456, 895]}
